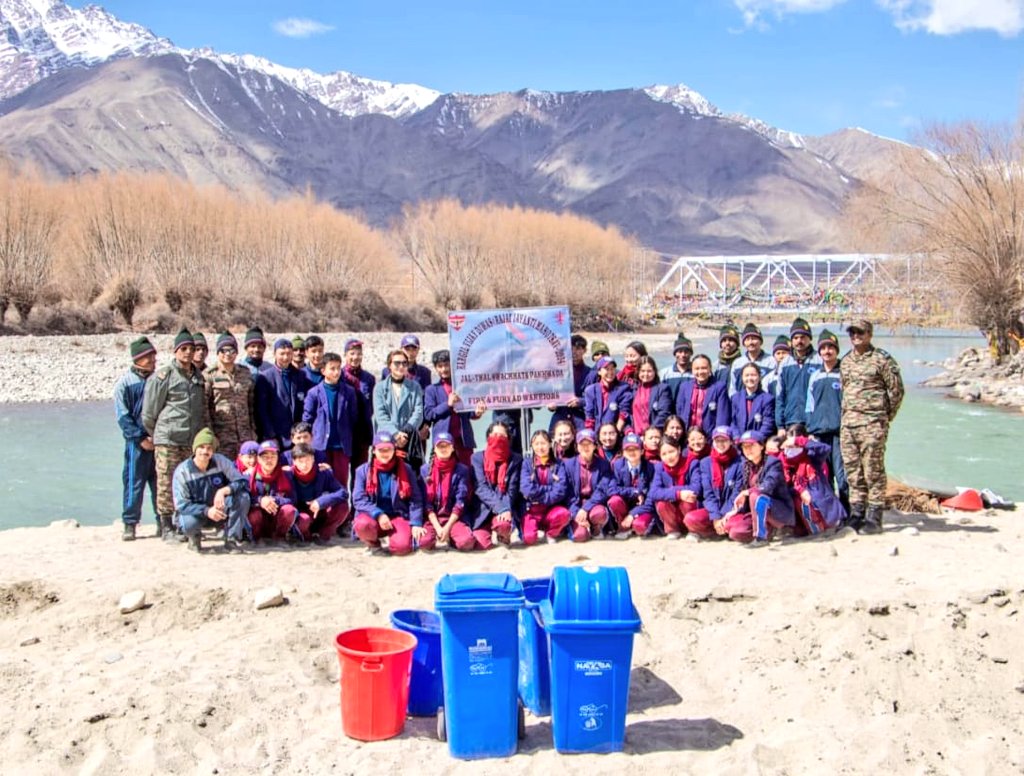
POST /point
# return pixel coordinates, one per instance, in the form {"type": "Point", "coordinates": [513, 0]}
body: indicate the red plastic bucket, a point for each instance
{"type": "Point", "coordinates": [375, 667]}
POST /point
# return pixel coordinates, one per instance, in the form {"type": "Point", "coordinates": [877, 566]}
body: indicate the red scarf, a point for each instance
{"type": "Point", "coordinates": [677, 472]}
{"type": "Point", "coordinates": [376, 467]}
{"type": "Point", "coordinates": [651, 455]}
{"type": "Point", "coordinates": [697, 405]}
{"type": "Point", "coordinates": [440, 481]}
{"type": "Point", "coordinates": [642, 408]}
{"type": "Point", "coordinates": [496, 456]}
{"type": "Point", "coordinates": [350, 377]}
{"type": "Point", "coordinates": [264, 483]}
{"type": "Point", "coordinates": [306, 478]}
{"type": "Point", "coordinates": [799, 471]}
{"type": "Point", "coordinates": [692, 456]}
{"type": "Point", "coordinates": [586, 476]}
{"type": "Point", "coordinates": [719, 463]}
{"type": "Point", "coordinates": [628, 374]}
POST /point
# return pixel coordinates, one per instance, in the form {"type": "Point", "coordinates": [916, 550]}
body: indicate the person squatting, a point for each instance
{"type": "Point", "coordinates": [308, 446]}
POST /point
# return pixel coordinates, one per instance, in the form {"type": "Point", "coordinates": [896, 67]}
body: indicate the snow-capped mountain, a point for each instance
{"type": "Point", "coordinates": [41, 37]}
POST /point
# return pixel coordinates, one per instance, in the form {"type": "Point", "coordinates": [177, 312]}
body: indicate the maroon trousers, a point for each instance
{"type": "Point", "coordinates": [399, 535]}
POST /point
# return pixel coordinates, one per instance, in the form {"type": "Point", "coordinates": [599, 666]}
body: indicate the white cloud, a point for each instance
{"type": "Point", "coordinates": [754, 10]}
{"type": "Point", "coordinates": [949, 17]}
{"type": "Point", "coordinates": [300, 28]}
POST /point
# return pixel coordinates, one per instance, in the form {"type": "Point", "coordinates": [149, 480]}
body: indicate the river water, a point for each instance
{"type": "Point", "coordinates": [64, 460]}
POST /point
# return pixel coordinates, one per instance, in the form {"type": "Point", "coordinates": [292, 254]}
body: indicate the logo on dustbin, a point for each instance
{"type": "Point", "coordinates": [592, 667]}
{"type": "Point", "coordinates": [592, 716]}
{"type": "Point", "coordinates": [481, 658]}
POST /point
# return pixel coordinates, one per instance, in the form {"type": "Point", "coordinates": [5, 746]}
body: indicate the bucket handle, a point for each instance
{"type": "Point", "coordinates": [372, 664]}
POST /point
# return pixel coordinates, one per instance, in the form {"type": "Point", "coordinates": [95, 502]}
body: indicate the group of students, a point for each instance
{"type": "Point", "coordinates": [699, 449]}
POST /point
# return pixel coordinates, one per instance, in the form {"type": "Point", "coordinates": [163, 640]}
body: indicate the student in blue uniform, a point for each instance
{"type": "Point", "coordinates": [573, 410]}
{"type": "Point", "coordinates": [545, 491]}
{"type": "Point", "coordinates": [439, 402]}
{"type": "Point", "coordinates": [332, 409]}
{"type": "Point", "coordinates": [805, 462]}
{"type": "Point", "coordinates": [608, 400]}
{"type": "Point", "coordinates": [765, 496]}
{"type": "Point", "coordinates": [652, 401]}
{"type": "Point", "coordinates": [721, 479]}
{"type": "Point", "coordinates": [630, 506]}
{"type": "Point", "coordinates": [703, 401]}
{"type": "Point", "coordinates": [496, 506]}
{"type": "Point", "coordinates": [279, 394]}
{"type": "Point", "coordinates": [824, 409]}
{"type": "Point", "coordinates": [751, 407]}
{"type": "Point", "coordinates": [590, 484]}
{"type": "Point", "coordinates": [447, 487]}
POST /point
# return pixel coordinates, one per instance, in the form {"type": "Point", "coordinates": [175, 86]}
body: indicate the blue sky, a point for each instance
{"type": "Point", "coordinates": [811, 66]}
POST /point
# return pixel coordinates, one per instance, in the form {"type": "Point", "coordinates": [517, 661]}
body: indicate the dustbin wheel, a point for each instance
{"type": "Point", "coordinates": [442, 731]}
{"type": "Point", "coordinates": [522, 722]}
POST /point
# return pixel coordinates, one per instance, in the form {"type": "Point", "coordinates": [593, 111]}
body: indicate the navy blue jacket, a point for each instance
{"type": "Point", "coordinates": [488, 500]}
{"type": "Point", "coordinates": [278, 405]}
{"type": "Point", "coordinates": [791, 390]}
{"type": "Point", "coordinates": [327, 491]}
{"type": "Point", "coordinates": [440, 416]}
{"type": "Point", "coordinates": [824, 402]}
{"type": "Point", "coordinates": [555, 492]}
{"type": "Point", "coordinates": [772, 483]}
{"type": "Point", "coordinates": [363, 431]}
{"type": "Point", "coordinates": [822, 495]}
{"type": "Point", "coordinates": [576, 414]}
{"type": "Point", "coordinates": [761, 416]}
{"type": "Point", "coordinates": [128, 393]}
{"type": "Point", "coordinates": [630, 488]}
{"type": "Point", "coordinates": [619, 404]}
{"type": "Point", "coordinates": [601, 484]}
{"type": "Point", "coordinates": [388, 503]}
{"type": "Point", "coordinates": [664, 489]}
{"type": "Point", "coordinates": [662, 404]}
{"type": "Point", "coordinates": [716, 405]}
{"type": "Point", "coordinates": [313, 377]}
{"type": "Point", "coordinates": [316, 410]}
{"type": "Point", "coordinates": [719, 501]}
{"type": "Point", "coordinates": [460, 492]}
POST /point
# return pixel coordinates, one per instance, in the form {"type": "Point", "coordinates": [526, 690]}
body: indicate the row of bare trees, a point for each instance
{"type": "Point", "coordinates": [122, 240]}
{"type": "Point", "coordinates": [958, 197]}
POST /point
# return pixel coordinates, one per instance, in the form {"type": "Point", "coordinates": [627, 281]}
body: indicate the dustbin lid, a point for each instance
{"type": "Point", "coordinates": [478, 592]}
{"type": "Point", "coordinates": [590, 597]}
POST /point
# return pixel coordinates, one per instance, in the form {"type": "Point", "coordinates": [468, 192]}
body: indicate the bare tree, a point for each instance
{"type": "Point", "coordinates": [960, 201]}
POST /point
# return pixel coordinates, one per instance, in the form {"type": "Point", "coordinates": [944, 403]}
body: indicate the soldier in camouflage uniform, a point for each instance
{"type": "Point", "coordinates": [872, 392]}
{"type": "Point", "coordinates": [229, 398]}
{"type": "Point", "coordinates": [173, 412]}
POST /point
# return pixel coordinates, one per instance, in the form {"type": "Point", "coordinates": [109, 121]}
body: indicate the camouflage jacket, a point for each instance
{"type": "Point", "coordinates": [229, 399]}
{"type": "Point", "coordinates": [174, 407]}
{"type": "Point", "coordinates": [872, 387]}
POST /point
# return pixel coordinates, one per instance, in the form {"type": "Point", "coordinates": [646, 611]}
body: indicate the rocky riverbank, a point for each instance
{"type": "Point", "coordinates": [973, 377]}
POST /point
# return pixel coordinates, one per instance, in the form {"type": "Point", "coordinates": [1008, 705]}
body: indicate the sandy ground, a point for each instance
{"type": "Point", "coordinates": [85, 368]}
{"type": "Point", "coordinates": [891, 654]}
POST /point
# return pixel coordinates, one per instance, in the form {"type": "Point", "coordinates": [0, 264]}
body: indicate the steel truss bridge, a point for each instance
{"type": "Point", "coordinates": [766, 282]}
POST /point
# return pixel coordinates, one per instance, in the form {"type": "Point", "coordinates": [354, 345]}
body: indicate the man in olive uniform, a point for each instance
{"type": "Point", "coordinates": [173, 412]}
{"type": "Point", "coordinates": [229, 398]}
{"type": "Point", "coordinates": [872, 392]}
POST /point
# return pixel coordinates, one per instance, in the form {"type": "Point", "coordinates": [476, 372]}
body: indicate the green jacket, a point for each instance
{"type": "Point", "coordinates": [872, 387]}
{"type": "Point", "coordinates": [174, 406]}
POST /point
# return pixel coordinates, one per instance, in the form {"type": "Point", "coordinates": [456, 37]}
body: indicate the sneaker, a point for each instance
{"type": "Point", "coordinates": [232, 545]}
{"type": "Point", "coordinates": [159, 528]}
{"type": "Point", "coordinates": [756, 544]}
{"type": "Point", "coordinates": [673, 535]}
{"type": "Point", "coordinates": [128, 534]}
{"type": "Point", "coordinates": [693, 538]}
{"type": "Point", "coordinates": [195, 542]}
{"type": "Point", "coordinates": [180, 536]}
{"type": "Point", "coordinates": [598, 535]}
{"type": "Point", "coordinates": [623, 534]}
{"type": "Point", "coordinates": [550, 539]}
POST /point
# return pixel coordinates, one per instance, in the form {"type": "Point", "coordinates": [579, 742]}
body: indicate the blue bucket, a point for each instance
{"type": "Point", "coordinates": [534, 664]}
{"type": "Point", "coordinates": [426, 688]}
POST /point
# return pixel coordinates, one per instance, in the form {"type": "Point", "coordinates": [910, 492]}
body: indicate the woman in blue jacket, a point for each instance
{"type": "Point", "coordinates": [387, 499]}
{"type": "Point", "coordinates": [703, 401]}
{"type": "Point", "coordinates": [545, 491]}
{"type": "Point", "coordinates": [590, 485]}
{"type": "Point", "coordinates": [721, 480]}
{"type": "Point", "coordinates": [608, 400]}
{"type": "Point", "coordinates": [496, 505]}
{"type": "Point", "coordinates": [629, 504]}
{"type": "Point", "coordinates": [652, 399]}
{"type": "Point", "coordinates": [765, 497]}
{"type": "Point", "coordinates": [398, 408]}
{"type": "Point", "coordinates": [447, 486]}
{"type": "Point", "coordinates": [752, 408]}
{"type": "Point", "coordinates": [674, 493]}
{"type": "Point", "coordinates": [805, 462]}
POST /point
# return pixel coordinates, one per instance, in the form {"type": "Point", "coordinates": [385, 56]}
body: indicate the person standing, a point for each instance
{"type": "Point", "coordinates": [173, 411]}
{"type": "Point", "coordinates": [682, 353]}
{"type": "Point", "coordinates": [872, 389]}
{"type": "Point", "coordinates": [728, 352]}
{"type": "Point", "coordinates": [573, 410]}
{"type": "Point", "coordinates": [794, 375]}
{"type": "Point", "coordinates": [139, 467]}
{"type": "Point", "coordinates": [439, 402]}
{"type": "Point", "coordinates": [331, 407]}
{"type": "Point", "coordinates": [753, 342]}
{"type": "Point", "coordinates": [362, 382]}
{"type": "Point", "coordinates": [230, 397]}
{"type": "Point", "coordinates": [313, 370]}
{"type": "Point", "coordinates": [824, 410]}
{"type": "Point", "coordinates": [280, 392]}
{"type": "Point", "coordinates": [201, 352]}
{"type": "Point", "coordinates": [255, 345]}
{"type": "Point", "coordinates": [398, 408]}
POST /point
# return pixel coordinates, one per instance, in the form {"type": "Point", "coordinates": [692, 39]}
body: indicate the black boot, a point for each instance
{"type": "Point", "coordinates": [873, 521]}
{"type": "Point", "coordinates": [195, 541]}
{"type": "Point", "coordinates": [166, 529]}
{"type": "Point", "coordinates": [159, 528]}
{"type": "Point", "coordinates": [128, 535]}
{"type": "Point", "coordinates": [857, 513]}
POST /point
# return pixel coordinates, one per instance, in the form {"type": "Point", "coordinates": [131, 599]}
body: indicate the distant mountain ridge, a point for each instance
{"type": "Point", "coordinates": [88, 92]}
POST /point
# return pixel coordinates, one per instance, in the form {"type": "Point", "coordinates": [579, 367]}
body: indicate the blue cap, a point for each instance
{"type": "Point", "coordinates": [604, 361]}
{"type": "Point", "coordinates": [443, 436]}
{"type": "Point", "coordinates": [249, 448]}
{"type": "Point", "coordinates": [282, 342]}
{"type": "Point", "coordinates": [752, 436]}
{"type": "Point", "coordinates": [410, 340]}
{"type": "Point", "coordinates": [350, 344]}
{"type": "Point", "coordinates": [269, 444]}
{"type": "Point", "coordinates": [383, 439]}
{"type": "Point", "coordinates": [586, 434]}
{"type": "Point", "coordinates": [631, 440]}
{"type": "Point", "coordinates": [722, 431]}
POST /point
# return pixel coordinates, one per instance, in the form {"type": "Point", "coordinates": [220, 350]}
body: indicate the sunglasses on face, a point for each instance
{"type": "Point", "coordinates": [857, 332]}
{"type": "Point", "coordinates": [228, 351]}
{"type": "Point", "coordinates": [399, 363]}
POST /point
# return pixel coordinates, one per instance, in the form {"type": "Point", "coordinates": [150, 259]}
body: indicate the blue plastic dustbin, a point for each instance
{"type": "Point", "coordinates": [534, 665]}
{"type": "Point", "coordinates": [426, 690]}
{"type": "Point", "coordinates": [590, 621]}
{"type": "Point", "coordinates": [480, 661]}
